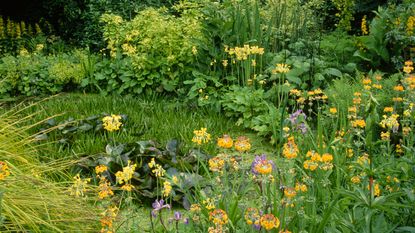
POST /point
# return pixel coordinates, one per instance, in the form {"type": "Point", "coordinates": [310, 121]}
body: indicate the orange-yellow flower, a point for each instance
{"type": "Point", "coordinates": [269, 222]}
{"type": "Point", "coordinates": [218, 216]}
{"type": "Point", "coordinates": [225, 142]}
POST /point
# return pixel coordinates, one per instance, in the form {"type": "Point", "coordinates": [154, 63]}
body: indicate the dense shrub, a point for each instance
{"type": "Point", "coordinates": [33, 74]}
{"type": "Point", "coordinates": [156, 48]}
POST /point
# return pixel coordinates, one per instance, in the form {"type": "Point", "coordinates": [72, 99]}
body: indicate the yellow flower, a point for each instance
{"type": "Point", "coordinates": [166, 188]}
{"type": "Point", "coordinates": [195, 208]}
{"type": "Point", "coordinates": [79, 186]}
{"type": "Point", "coordinates": [4, 170]}
{"type": "Point", "coordinates": [269, 221]}
{"type": "Point", "coordinates": [364, 26]}
{"type": "Point", "coordinates": [242, 144]}
{"type": "Point", "coordinates": [201, 136]}
{"type": "Point", "coordinates": [290, 149]}
{"type": "Point", "coordinates": [159, 171]}
{"type": "Point", "coordinates": [406, 131]}
{"type": "Point", "coordinates": [398, 88]}
{"type": "Point", "coordinates": [388, 109]}
{"type": "Point", "coordinates": [100, 169]}
{"type": "Point", "coordinates": [127, 173]}
{"type": "Point", "coordinates": [390, 122]}
{"type": "Point", "coordinates": [397, 99]}
{"type": "Point", "coordinates": [104, 188]}
{"type": "Point", "coordinates": [377, 86]}
{"type": "Point", "coordinates": [399, 149]}
{"type": "Point", "coordinates": [326, 157]}
{"type": "Point", "coordinates": [225, 142]}
{"type": "Point", "coordinates": [175, 180]}
{"type": "Point", "coordinates": [385, 136]}
{"type": "Point", "coordinates": [300, 187]}
{"type": "Point", "coordinates": [127, 187]}
{"type": "Point", "coordinates": [349, 152]}
{"type": "Point", "coordinates": [112, 123]}
{"type": "Point", "coordinates": [218, 216]}
{"type": "Point", "coordinates": [290, 192]}
{"type": "Point", "coordinates": [355, 179]}
{"type": "Point", "coordinates": [366, 81]}
{"type": "Point", "coordinates": [194, 50]}
{"type": "Point", "coordinates": [333, 110]}
{"type": "Point", "coordinates": [252, 216]}
{"type": "Point", "coordinates": [281, 68]}
{"type": "Point", "coordinates": [359, 124]}
{"type": "Point", "coordinates": [209, 204]}
{"type": "Point", "coordinates": [310, 165]}
{"type": "Point", "coordinates": [216, 164]}
{"type": "Point", "coordinates": [376, 190]}
{"type": "Point", "coordinates": [152, 163]}
{"type": "Point", "coordinates": [363, 159]}
{"type": "Point", "coordinates": [225, 63]}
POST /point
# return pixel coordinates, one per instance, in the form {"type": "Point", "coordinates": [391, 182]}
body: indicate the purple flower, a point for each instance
{"type": "Point", "coordinates": [257, 227]}
{"type": "Point", "coordinates": [158, 206]}
{"type": "Point", "coordinates": [177, 215]}
{"type": "Point", "coordinates": [293, 118]}
{"type": "Point", "coordinates": [186, 221]}
{"type": "Point", "coordinates": [297, 121]}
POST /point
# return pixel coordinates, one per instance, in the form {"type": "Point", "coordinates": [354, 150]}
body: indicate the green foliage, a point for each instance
{"type": "Point", "coordinates": [346, 10]}
{"type": "Point", "coordinates": [33, 74]}
{"type": "Point", "coordinates": [170, 157]}
{"type": "Point", "coordinates": [159, 47]}
{"type": "Point", "coordinates": [391, 36]}
{"type": "Point", "coordinates": [31, 198]}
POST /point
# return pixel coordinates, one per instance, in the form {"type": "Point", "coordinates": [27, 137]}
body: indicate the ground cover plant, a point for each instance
{"type": "Point", "coordinates": [205, 116]}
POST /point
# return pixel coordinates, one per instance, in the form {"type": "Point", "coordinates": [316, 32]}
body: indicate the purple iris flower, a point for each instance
{"type": "Point", "coordinates": [297, 121]}
{"type": "Point", "coordinates": [158, 206]}
{"type": "Point", "coordinates": [177, 215]}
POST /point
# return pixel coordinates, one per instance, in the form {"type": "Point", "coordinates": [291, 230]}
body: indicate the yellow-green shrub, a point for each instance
{"type": "Point", "coordinates": [161, 47]}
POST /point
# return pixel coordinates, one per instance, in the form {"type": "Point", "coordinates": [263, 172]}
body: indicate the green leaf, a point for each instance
{"type": "Point", "coordinates": [334, 72]}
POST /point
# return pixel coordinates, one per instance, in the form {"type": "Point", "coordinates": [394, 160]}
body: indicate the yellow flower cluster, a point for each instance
{"type": "Point", "coordinates": [390, 122]}
{"type": "Point", "coordinates": [363, 159]}
{"type": "Point", "coordinates": [376, 189]}
{"type": "Point", "coordinates": [104, 188]}
{"type": "Point", "coordinates": [112, 123]}
{"type": "Point", "coordinates": [100, 169]}
{"type": "Point", "coordinates": [79, 186]}
{"type": "Point", "coordinates": [242, 53]}
{"type": "Point", "coordinates": [410, 25]}
{"type": "Point", "coordinates": [290, 192]}
{"type": "Point", "coordinates": [359, 123]}
{"type": "Point", "coordinates": [300, 187]}
{"type": "Point", "coordinates": [315, 161]}
{"type": "Point", "coordinates": [355, 179]}
{"type": "Point", "coordinates": [290, 149]}
{"type": "Point", "coordinates": [107, 219]}
{"type": "Point", "coordinates": [158, 169]}
{"type": "Point", "coordinates": [252, 216]}
{"type": "Point", "coordinates": [408, 68]}
{"type": "Point", "coordinates": [166, 188]}
{"type": "Point", "coordinates": [242, 144]}
{"type": "Point", "coordinates": [219, 217]}
{"type": "Point", "coordinates": [225, 142]}
{"type": "Point", "coordinates": [385, 136]}
{"type": "Point", "coordinates": [201, 136]}
{"type": "Point", "coordinates": [216, 164]}
{"type": "Point", "coordinates": [4, 170]}
{"type": "Point", "coordinates": [364, 26]}
{"type": "Point", "coordinates": [209, 204]}
{"type": "Point", "coordinates": [281, 68]}
{"type": "Point", "coordinates": [124, 176]}
{"type": "Point", "coordinates": [269, 222]}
